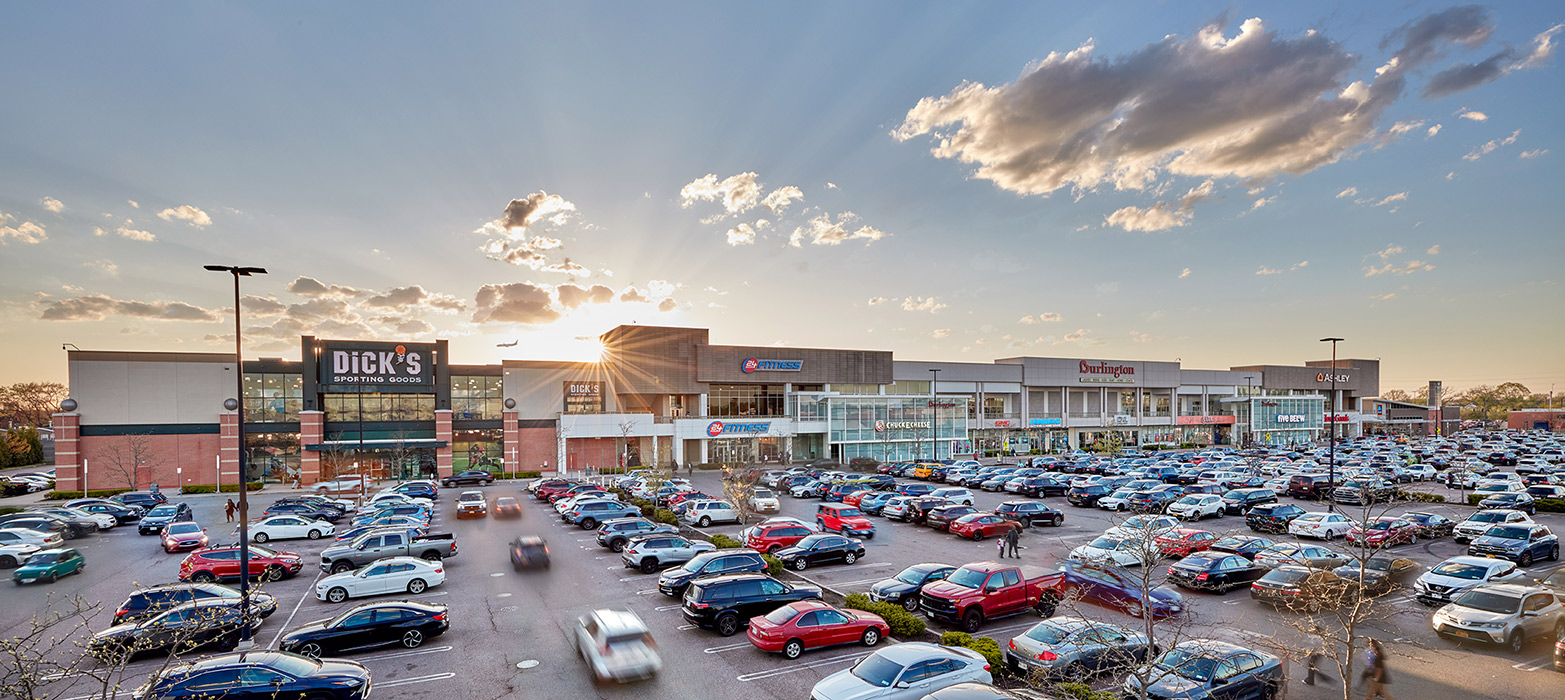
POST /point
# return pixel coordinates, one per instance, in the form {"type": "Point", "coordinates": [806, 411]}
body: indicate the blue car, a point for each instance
{"type": "Point", "coordinates": [871, 504]}
{"type": "Point", "coordinates": [914, 489]}
{"type": "Point", "coordinates": [1523, 543]}
{"type": "Point", "coordinates": [260, 674]}
{"type": "Point", "coordinates": [1113, 587]}
{"type": "Point", "coordinates": [1206, 669]}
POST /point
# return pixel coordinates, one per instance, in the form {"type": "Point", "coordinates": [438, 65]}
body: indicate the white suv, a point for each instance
{"type": "Point", "coordinates": [1197, 507]}
{"type": "Point", "coordinates": [704, 513]}
{"type": "Point", "coordinates": [1502, 613]}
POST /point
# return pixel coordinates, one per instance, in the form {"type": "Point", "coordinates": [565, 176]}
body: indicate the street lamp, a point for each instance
{"type": "Point", "coordinates": [1331, 401]}
{"type": "Point", "coordinates": [239, 430]}
{"type": "Point", "coordinates": [934, 421]}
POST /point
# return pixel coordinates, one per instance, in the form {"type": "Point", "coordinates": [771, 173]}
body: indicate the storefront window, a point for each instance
{"type": "Point", "coordinates": [994, 407]}
{"type": "Point", "coordinates": [857, 389]}
{"type": "Point", "coordinates": [272, 457]}
{"type": "Point", "coordinates": [477, 449]}
{"type": "Point", "coordinates": [888, 422]}
{"type": "Point", "coordinates": [726, 400]}
{"type": "Point", "coordinates": [273, 397]}
{"type": "Point", "coordinates": [906, 388]}
{"type": "Point", "coordinates": [475, 398]}
{"type": "Point", "coordinates": [378, 407]}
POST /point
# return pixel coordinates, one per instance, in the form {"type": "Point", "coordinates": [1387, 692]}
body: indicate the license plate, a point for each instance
{"type": "Point", "coordinates": [28, 580]}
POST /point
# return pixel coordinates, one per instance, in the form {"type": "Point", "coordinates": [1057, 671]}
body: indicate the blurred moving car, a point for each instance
{"type": "Point", "coordinates": [617, 646]}
{"type": "Point", "coordinates": [507, 507]}
{"type": "Point", "coordinates": [528, 552]}
{"type": "Point", "coordinates": [49, 565]}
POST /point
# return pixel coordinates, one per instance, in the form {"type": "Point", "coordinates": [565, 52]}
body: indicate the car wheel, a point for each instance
{"type": "Point", "coordinates": [1516, 641]}
{"type": "Point", "coordinates": [972, 620]}
{"type": "Point", "coordinates": [341, 566]}
{"type": "Point", "coordinates": [772, 550]}
{"type": "Point", "coordinates": [728, 624]}
{"type": "Point", "coordinates": [1525, 560]}
{"type": "Point", "coordinates": [978, 535]}
{"type": "Point", "coordinates": [800, 564]}
{"type": "Point", "coordinates": [1047, 604]}
{"type": "Point", "coordinates": [272, 573]}
{"type": "Point", "coordinates": [870, 638]}
{"type": "Point", "coordinates": [412, 639]}
{"type": "Point", "coordinates": [793, 649]}
{"type": "Point", "coordinates": [54, 577]}
{"type": "Point", "coordinates": [259, 537]}
{"type": "Point", "coordinates": [310, 649]}
{"type": "Point", "coordinates": [910, 603]}
{"type": "Point", "coordinates": [589, 523]}
{"type": "Point", "coordinates": [336, 595]}
{"type": "Point", "coordinates": [616, 545]}
{"type": "Point", "coordinates": [1135, 609]}
{"type": "Point", "coordinates": [203, 577]}
{"type": "Point", "coordinates": [7, 562]}
{"type": "Point", "coordinates": [314, 534]}
{"type": "Point", "coordinates": [705, 521]}
{"type": "Point", "coordinates": [649, 565]}
{"type": "Point", "coordinates": [850, 558]}
{"type": "Point", "coordinates": [1554, 553]}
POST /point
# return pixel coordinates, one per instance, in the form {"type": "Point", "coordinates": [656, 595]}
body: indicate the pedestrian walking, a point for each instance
{"type": "Point", "coordinates": [229, 509]}
{"type": "Point", "coordinates": [1000, 545]}
{"type": "Point", "coordinates": [1375, 672]}
{"type": "Point", "coordinates": [1012, 536]}
{"type": "Point", "coordinates": [1312, 664]}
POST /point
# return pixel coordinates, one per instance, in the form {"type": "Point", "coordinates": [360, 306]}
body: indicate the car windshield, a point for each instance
{"type": "Point", "coordinates": [46, 558]}
{"type": "Point", "coordinates": [848, 512]}
{"type": "Point", "coordinates": [1379, 525]}
{"type": "Point", "coordinates": [1487, 517]}
{"type": "Point", "coordinates": [294, 665]}
{"type": "Point", "coordinates": [1456, 569]}
{"type": "Point", "coordinates": [162, 510]}
{"type": "Point", "coordinates": [183, 528]}
{"type": "Point", "coordinates": [1107, 543]}
{"type": "Point", "coordinates": [1286, 576]}
{"type": "Point", "coordinates": [877, 671]}
{"type": "Point", "coordinates": [1188, 664]}
{"type": "Point", "coordinates": [781, 615]}
{"type": "Point", "coordinates": [763, 493]}
{"type": "Point", "coordinates": [810, 541]}
{"type": "Point", "coordinates": [1048, 633]}
{"type": "Point", "coordinates": [1489, 602]}
{"type": "Point", "coordinates": [968, 578]}
{"type": "Point", "coordinates": [1378, 564]}
{"type": "Point", "coordinates": [261, 551]}
{"type": "Point", "coordinates": [1509, 532]}
{"type": "Point", "coordinates": [912, 576]}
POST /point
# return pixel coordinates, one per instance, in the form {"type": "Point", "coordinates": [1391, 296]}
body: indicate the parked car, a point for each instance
{"type": "Point", "coordinates": [1430, 525]}
{"type": "Point", "coordinates": [763, 501]}
{"type": "Point", "coordinates": [1240, 501]}
{"type": "Point", "coordinates": [1113, 551]}
{"type": "Point", "coordinates": [1111, 587]}
{"type": "Point", "coordinates": [1450, 578]}
{"type": "Point", "coordinates": [954, 495]}
{"type": "Point", "coordinates": [940, 517]}
{"type": "Point", "coordinates": [211, 622]}
{"type": "Point", "coordinates": [1384, 531]}
{"type": "Point", "coordinates": [1071, 647]}
{"type": "Point", "coordinates": [1197, 507]}
{"type": "Point", "coordinates": [724, 603]}
{"type": "Point", "coordinates": [649, 552]}
{"type": "Point", "coordinates": [149, 602]}
{"type": "Point", "coordinates": [82, 519]}
{"type": "Point", "coordinates": [904, 588]}
{"type": "Point", "coordinates": [12, 555]}
{"type": "Point", "coordinates": [1322, 525]}
{"type": "Point", "coordinates": [44, 522]}
{"type": "Point", "coordinates": [259, 674]}
{"type": "Point", "coordinates": [378, 544]}
{"type": "Point", "coordinates": [1301, 554]}
{"type": "Point", "coordinates": [1152, 500]}
{"type": "Point", "coordinates": [812, 624]}
{"type": "Point", "coordinates": [770, 538]}
{"type": "Point", "coordinates": [1522, 543]}
{"type": "Point", "coordinates": [367, 626]}
{"type": "Point", "coordinates": [222, 562]}
{"type": "Point", "coordinates": [1144, 526]}
{"type": "Point", "coordinates": [844, 519]}
{"type": "Point", "coordinates": [980, 526]}
{"type": "Point", "coordinates": [918, 509]}
{"type": "Point", "coordinates": [1478, 523]}
{"type": "Point", "coordinates": [122, 514]}
{"type": "Point", "coordinates": [615, 533]}
{"type": "Point", "coordinates": [1184, 541]}
{"type": "Point", "coordinates": [1378, 573]}
{"type": "Point", "coordinates": [1310, 486]}
{"type": "Point", "coordinates": [146, 500]}
{"type": "Point", "coordinates": [49, 565]}
{"type": "Point", "coordinates": [471, 477]}
{"type": "Point", "coordinates": [1215, 571]}
{"type": "Point", "coordinates": [875, 502]}
{"type": "Point", "coordinates": [285, 527]}
{"type": "Point", "coordinates": [414, 525]}
{"type": "Point", "coordinates": [1500, 613]}
{"type": "Point", "coordinates": [10, 536]}
{"type": "Point", "coordinates": [986, 590]}
{"type": "Point", "coordinates": [1515, 500]}
{"type": "Point", "coordinates": [820, 549]}
{"type": "Point", "coordinates": [1202, 669]}
{"type": "Point", "coordinates": [1029, 513]}
{"type": "Point", "coordinates": [1299, 588]}
{"type": "Point", "coordinates": [389, 575]}
{"type": "Point", "coordinates": [722, 562]}
{"type": "Point", "coordinates": [1243, 545]}
{"type": "Point", "coordinates": [308, 511]}
{"type": "Point", "coordinates": [617, 646]}
{"type": "Point", "coordinates": [1086, 496]}
{"type": "Point", "coordinates": [906, 671]}
{"type": "Point", "coordinates": [703, 513]}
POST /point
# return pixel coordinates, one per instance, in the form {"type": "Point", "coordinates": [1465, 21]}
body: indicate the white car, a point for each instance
{"type": "Point", "coordinates": [1277, 486]}
{"type": "Point", "coordinates": [1108, 550]}
{"type": "Point", "coordinates": [764, 501]}
{"type": "Point", "coordinates": [1148, 527]}
{"type": "Point", "coordinates": [386, 499]}
{"type": "Point", "coordinates": [104, 521]}
{"type": "Point", "coordinates": [350, 484]}
{"type": "Point", "coordinates": [389, 575]}
{"type": "Point", "coordinates": [954, 494]}
{"type": "Point", "coordinates": [290, 527]}
{"type": "Point", "coordinates": [1197, 506]}
{"type": "Point", "coordinates": [1478, 523]}
{"type": "Point", "coordinates": [1453, 576]}
{"type": "Point", "coordinates": [1326, 526]}
{"type": "Point", "coordinates": [14, 555]}
{"type": "Point", "coordinates": [907, 671]}
{"type": "Point", "coordinates": [22, 535]}
{"type": "Point", "coordinates": [1118, 501]}
{"type": "Point", "coordinates": [1420, 472]}
{"type": "Point", "coordinates": [617, 645]}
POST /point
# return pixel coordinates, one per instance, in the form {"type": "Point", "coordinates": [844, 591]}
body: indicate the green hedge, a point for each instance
{"type": "Point", "coordinates": [197, 488]}
{"type": "Point", "coordinates": [774, 566]}
{"type": "Point", "coordinates": [983, 645]}
{"type": "Point", "coordinates": [1080, 691]}
{"type": "Point", "coordinates": [1420, 497]}
{"type": "Point", "coordinates": [665, 516]}
{"type": "Point", "coordinates": [722, 541]}
{"type": "Point", "coordinates": [234, 488]}
{"type": "Point", "coordinates": [517, 475]}
{"type": "Point", "coordinates": [1551, 505]}
{"type": "Point", "coordinates": [904, 624]}
{"type": "Point", "coordinates": [95, 493]}
{"type": "Point", "coordinates": [7, 510]}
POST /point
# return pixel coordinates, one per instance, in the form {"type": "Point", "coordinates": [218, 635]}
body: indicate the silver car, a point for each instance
{"type": "Point", "coordinates": [617, 646]}
{"type": "Point", "coordinates": [1502, 613]}
{"type": "Point", "coordinates": [1074, 647]}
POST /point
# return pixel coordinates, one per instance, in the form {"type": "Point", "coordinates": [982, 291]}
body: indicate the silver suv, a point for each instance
{"type": "Point", "coordinates": [706, 512]}
{"type": "Point", "coordinates": [649, 552]}
{"type": "Point", "coordinates": [1502, 613]}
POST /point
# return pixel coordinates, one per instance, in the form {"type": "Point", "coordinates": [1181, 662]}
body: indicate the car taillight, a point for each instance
{"type": "Point", "coordinates": [440, 617]}
{"type": "Point", "coordinates": [1256, 586]}
{"type": "Point", "coordinates": [1202, 577]}
{"type": "Point", "coordinates": [439, 570]}
{"type": "Point", "coordinates": [1042, 656]}
{"type": "Point", "coordinates": [1170, 571]}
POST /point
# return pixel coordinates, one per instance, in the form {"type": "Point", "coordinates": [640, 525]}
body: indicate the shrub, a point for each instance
{"type": "Point", "coordinates": [774, 566]}
{"type": "Point", "coordinates": [956, 639]}
{"type": "Point", "coordinates": [234, 488]}
{"type": "Point", "coordinates": [197, 488]}
{"type": "Point", "coordinates": [722, 541]}
{"type": "Point", "coordinates": [665, 516]}
{"type": "Point", "coordinates": [518, 475]}
{"type": "Point", "coordinates": [1080, 691]}
{"type": "Point", "coordinates": [7, 510]}
{"type": "Point", "coordinates": [903, 624]}
{"type": "Point", "coordinates": [95, 493]}
{"type": "Point", "coordinates": [1551, 505]}
{"type": "Point", "coordinates": [987, 646]}
{"type": "Point", "coordinates": [1474, 498]}
{"type": "Point", "coordinates": [1420, 497]}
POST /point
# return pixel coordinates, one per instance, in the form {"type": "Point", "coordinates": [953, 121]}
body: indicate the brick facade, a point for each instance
{"type": "Point", "coordinates": [168, 460]}
{"type": "Point", "coordinates": [67, 451]}
{"type": "Point", "coordinates": [443, 455]}
{"type": "Point", "coordinates": [312, 430]}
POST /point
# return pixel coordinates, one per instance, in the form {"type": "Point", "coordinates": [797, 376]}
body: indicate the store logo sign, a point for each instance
{"type": "Point", "coordinates": [1290, 418]}
{"type": "Point", "coordinates": [717, 427]}
{"type": "Point", "coordinates": [1043, 421]}
{"type": "Point", "coordinates": [752, 364]}
{"type": "Point", "coordinates": [377, 363]}
{"type": "Point", "coordinates": [884, 425]}
{"type": "Point", "coordinates": [1323, 377]}
{"type": "Point", "coordinates": [1105, 368]}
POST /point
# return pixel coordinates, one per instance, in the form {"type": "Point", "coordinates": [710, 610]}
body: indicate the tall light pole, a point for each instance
{"type": "Point", "coordinates": [934, 421]}
{"type": "Point", "coordinates": [239, 431]}
{"type": "Point", "coordinates": [1331, 402]}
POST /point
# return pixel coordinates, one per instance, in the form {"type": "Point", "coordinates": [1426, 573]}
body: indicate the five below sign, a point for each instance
{"type": "Point", "coordinates": [717, 427]}
{"type": "Point", "coordinates": [758, 365]}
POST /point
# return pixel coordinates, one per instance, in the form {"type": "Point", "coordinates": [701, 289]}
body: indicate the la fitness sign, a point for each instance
{"type": "Point", "coordinates": [718, 428]}
{"type": "Point", "coordinates": [753, 364]}
{"type": "Point", "coordinates": [1104, 373]}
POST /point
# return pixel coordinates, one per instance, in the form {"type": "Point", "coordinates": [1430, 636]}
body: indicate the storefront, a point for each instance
{"type": "Point", "coordinates": [889, 428]}
{"type": "Point", "coordinates": [1279, 421]}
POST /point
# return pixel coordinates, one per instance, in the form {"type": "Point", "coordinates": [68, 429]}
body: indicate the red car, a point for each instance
{"type": "Point", "coordinates": [770, 538]}
{"type": "Point", "coordinates": [213, 563]}
{"type": "Point", "coordinates": [574, 490]}
{"type": "Point", "coordinates": [811, 624]}
{"type": "Point", "coordinates": [844, 518]}
{"type": "Point", "coordinates": [982, 525]}
{"type": "Point", "coordinates": [1384, 532]}
{"type": "Point", "coordinates": [549, 488]}
{"type": "Point", "coordinates": [1183, 541]}
{"type": "Point", "coordinates": [180, 536]}
{"type": "Point", "coordinates": [853, 499]}
{"type": "Point", "coordinates": [679, 498]}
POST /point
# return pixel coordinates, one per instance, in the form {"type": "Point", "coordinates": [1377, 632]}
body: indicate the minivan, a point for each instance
{"type": "Point", "coordinates": [1310, 486]}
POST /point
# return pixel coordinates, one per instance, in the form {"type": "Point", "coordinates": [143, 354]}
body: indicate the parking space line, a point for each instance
{"type": "Point", "coordinates": [411, 681]}
{"type": "Point", "coordinates": [403, 654]}
{"type": "Point", "coordinates": [686, 627]}
{"type": "Point", "coordinates": [729, 647]}
{"type": "Point", "coordinates": [307, 593]}
{"type": "Point", "coordinates": [746, 678]}
{"type": "Point", "coordinates": [1534, 664]}
{"type": "Point", "coordinates": [663, 608]}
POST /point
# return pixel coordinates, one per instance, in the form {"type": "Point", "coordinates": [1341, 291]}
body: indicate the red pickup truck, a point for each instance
{"type": "Point", "coordinates": [986, 590]}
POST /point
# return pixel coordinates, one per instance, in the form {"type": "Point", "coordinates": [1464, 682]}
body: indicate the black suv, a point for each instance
{"type": "Point", "coordinates": [615, 533]}
{"type": "Point", "coordinates": [1240, 501]}
{"type": "Point", "coordinates": [153, 601]}
{"type": "Point", "coordinates": [1036, 486]}
{"type": "Point", "coordinates": [152, 523]}
{"type": "Point", "coordinates": [1141, 502]}
{"type": "Point", "coordinates": [722, 562]}
{"type": "Point", "coordinates": [726, 603]}
{"type": "Point", "coordinates": [1272, 517]}
{"type": "Point", "coordinates": [1086, 496]}
{"type": "Point", "coordinates": [471, 476]}
{"type": "Point", "coordinates": [145, 499]}
{"type": "Point", "coordinates": [1029, 513]}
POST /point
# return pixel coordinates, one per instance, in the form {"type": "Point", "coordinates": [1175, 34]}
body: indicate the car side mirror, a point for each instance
{"type": "Point", "coordinates": [903, 684]}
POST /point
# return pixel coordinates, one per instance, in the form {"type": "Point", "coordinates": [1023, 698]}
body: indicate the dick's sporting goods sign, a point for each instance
{"type": "Point", "coordinates": [386, 364]}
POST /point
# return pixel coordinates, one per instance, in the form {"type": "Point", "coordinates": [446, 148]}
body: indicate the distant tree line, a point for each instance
{"type": "Point", "coordinates": [30, 403]}
{"type": "Point", "coordinates": [1482, 402]}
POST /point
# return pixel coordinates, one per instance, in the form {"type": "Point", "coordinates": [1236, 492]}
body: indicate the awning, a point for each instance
{"type": "Point", "coordinates": [330, 445]}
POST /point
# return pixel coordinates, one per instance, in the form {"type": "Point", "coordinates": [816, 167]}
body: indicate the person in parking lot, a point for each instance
{"type": "Point", "coordinates": [1375, 672]}
{"type": "Point", "coordinates": [229, 509]}
{"type": "Point", "coordinates": [1011, 538]}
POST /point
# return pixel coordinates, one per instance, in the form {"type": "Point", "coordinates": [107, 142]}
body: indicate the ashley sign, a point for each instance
{"type": "Point", "coordinates": [378, 363]}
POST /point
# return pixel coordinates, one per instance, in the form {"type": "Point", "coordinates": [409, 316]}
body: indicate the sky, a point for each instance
{"type": "Point", "coordinates": [1224, 183]}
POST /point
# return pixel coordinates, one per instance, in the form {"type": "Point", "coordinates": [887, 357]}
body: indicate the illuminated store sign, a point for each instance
{"type": "Point", "coordinates": [717, 428]}
{"type": "Point", "coordinates": [757, 365]}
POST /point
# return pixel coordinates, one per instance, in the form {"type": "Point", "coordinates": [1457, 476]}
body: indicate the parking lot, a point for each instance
{"type": "Point", "coordinates": [510, 631]}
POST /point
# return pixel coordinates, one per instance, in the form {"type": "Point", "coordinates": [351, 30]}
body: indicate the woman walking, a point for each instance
{"type": "Point", "coordinates": [1375, 672]}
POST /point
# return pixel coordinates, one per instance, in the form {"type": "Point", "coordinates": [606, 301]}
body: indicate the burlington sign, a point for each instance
{"type": "Point", "coordinates": [1105, 373]}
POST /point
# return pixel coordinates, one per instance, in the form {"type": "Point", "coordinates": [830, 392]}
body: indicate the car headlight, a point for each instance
{"type": "Point", "coordinates": [1489, 625]}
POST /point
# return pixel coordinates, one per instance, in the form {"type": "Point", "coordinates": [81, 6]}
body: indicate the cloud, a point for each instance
{"type": "Point", "coordinates": [1268, 271]}
{"type": "Point", "coordinates": [1383, 297]}
{"type": "Point", "coordinates": [572, 296]}
{"type": "Point", "coordinates": [821, 230]}
{"type": "Point", "coordinates": [53, 204]}
{"type": "Point", "coordinates": [1469, 75]}
{"type": "Point", "coordinates": [1475, 116]}
{"type": "Point", "coordinates": [930, 304]}
{"type": "Point", "coordinates": [1386, 254]}
{"type": "Point", "coordinates": [1406, 268]}
{"type": "Point", "coordinates": [414, 327]}
{"type": "Point", "coordinates": [1046, 317]}
{"type": "Point", "coordinates": [1432, 131]}
{"type": "Point", "coordinates": [1080, 335]}
{"type": "Point", "coordinates": [1106, 288]}
{"type": "Point", "coordinates": [1490, 146]}
{"type": "Point", "coordinates": [939, 333]}
{"type": "Point", "coordinates": [26, 232]}
{"type": "Point", "coordinates": [106, 268]}
{"type": "Point", "coordinates": [1300, 265]}
{"type": "Point", "coordinates": [631, 294]}
{"type": "Point", "coordinates": [1158, 217]}
{"type": "Point", "coordinates": [188, 214]}
{"type": "Point", "coordinates": [261, 306]}
{"type": "Point", "coordinates": [667, 305]}
{"type": "Point", "coordinates": [311, 287]}
{"type": "Point", "coordinates": [1398, 197]}
{"type": "Point", "coordinates": [517, 250]}
{"type": "Point", "coordinates": [96, 307]}
{"type": "Point", "coordinates": [413, 297]}
{"type": "Point", "coordinates": [1433, 250]}
{"type": "Point", "coordinates": [517, 302]}
{"type": "Point", "coordinates": [133, 203]}
{"type": "Point", "coordinates": [125, 231]}
{"type": "Point", "coordinates": [737, 193]}
{"type": "Point", "coordinates": [539, 206]}
{"type": "Point", "coordinates": [1534, 153]}
{"type": "Point", "coordinates": [1349, 192]}
{"type": "Point", "coordinates": [743, 234]}
{"type": "Point", "coordinates": [877, 301]}
{"type": "Point", "coordinates": [1184, 273]}
{"type": "Point", "coordinates": [1144, 338]}
{"type": "Point", "coordinates": [1263, 202]}
{"type": "Point", "coordinates": [779, 199]}
{"type": "Point", "coordinates": [831, 185]}
{"type": "Point", "coordinates": [568, 267]}
{"type": "Point", "coordinates": [1542, 49]}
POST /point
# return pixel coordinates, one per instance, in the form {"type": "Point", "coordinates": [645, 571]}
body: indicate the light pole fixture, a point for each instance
{"type": "Point", "coordinates": [1331, 402]}
{"type": "Point", "coordinates": [934, 420]}
{"type": "Point", "coordinates": [239, 431]}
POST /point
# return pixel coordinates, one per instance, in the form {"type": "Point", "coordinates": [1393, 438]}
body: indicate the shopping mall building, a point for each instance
{"type": "Point", "coordinates": [657, 395]}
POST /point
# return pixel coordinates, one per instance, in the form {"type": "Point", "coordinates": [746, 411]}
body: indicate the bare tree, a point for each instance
{"type": "Point", "coordinates": [122, 458]}
{"type": "Point", "coordinates": [738, 486]}
{"type": "Point", "coordinates": [30, 403]}
{"type": "Point", "coordinates": [626, 428]}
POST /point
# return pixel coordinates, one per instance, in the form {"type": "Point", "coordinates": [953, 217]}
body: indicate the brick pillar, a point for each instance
{"type": "Point", "coordinates": [443, 434]}
{"type": "Point", "coordinates": [511, 442]}
{"type": "Point", "coordinates": [67, 451]}
{"type": "Point", "coordinates": [312, 430]}
{"type": "Point", "coordinates": [228, 447]}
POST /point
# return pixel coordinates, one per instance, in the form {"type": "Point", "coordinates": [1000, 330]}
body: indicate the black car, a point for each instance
{"type": "Point", "coordinates": [1029, 513]}
{"type": "Point", "coordinates": [155, 600]}
{"type": "Point", "coordinates": [903, 589]}
{"type": "Point", "coordinates": [304, 510]}
{"type": "Point", "coordinates": [726, 603]}
{"type": "Point", "coordinates": [215, 621]}
{"type": "Point", "coordinates": [41, 523]}
{"type": "Point", "coordinates": [260, 674]}
{"type": "Point", "coordinates": [144, 499]}
{"type": "Point", "coordinates": [1154, 501]}
{"type": "Point", "coordinates": [914, 489]}
{"type": "Point", "coordinates": [152, 523]}
{"type": "Point", "coordinates": [941, 517]}
{"type": "Point", "coordinates": [76, 522]}
{"type": "Point", "coordinates": [425, 491]}
{"type": "Point", "coordinates": [1431, 525]}
{"type": "Point", "coordinates": [529, 551]}
{"type": "Point", "coordinates": [722, 562]}
{"type": "Point", "coordinates": [615, 533]}
{"type": "Point", "coordinates": [321, 502]}
{"type": "Point", "coordinates": [1242, 545]}
{"type": "Point", "coordinates": [820, 549]}
{"type": "Point", "coordinates": [1378, 573]}
{"type": "Point", "coordinates": [879, 482]}
{"type": "Point", "coordinates": [469, 477]}
{"type": "Point", "coordinates": [919, 508]}
{"type": "Point", "coordinates": [1037, 486]}
{"type": "Point", "coordinates": [1086, 496]}
{"type": "Point", "coordinates": [1215, 571]}
{"type": "Point", "coordinates": [1272, 517]}
{"type": "Point", "coordinates": [369, 625]}
{"type": "Point", "coordinates": [122, 514]}
{"type": "Point", "coordinates": [1240, 501]}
